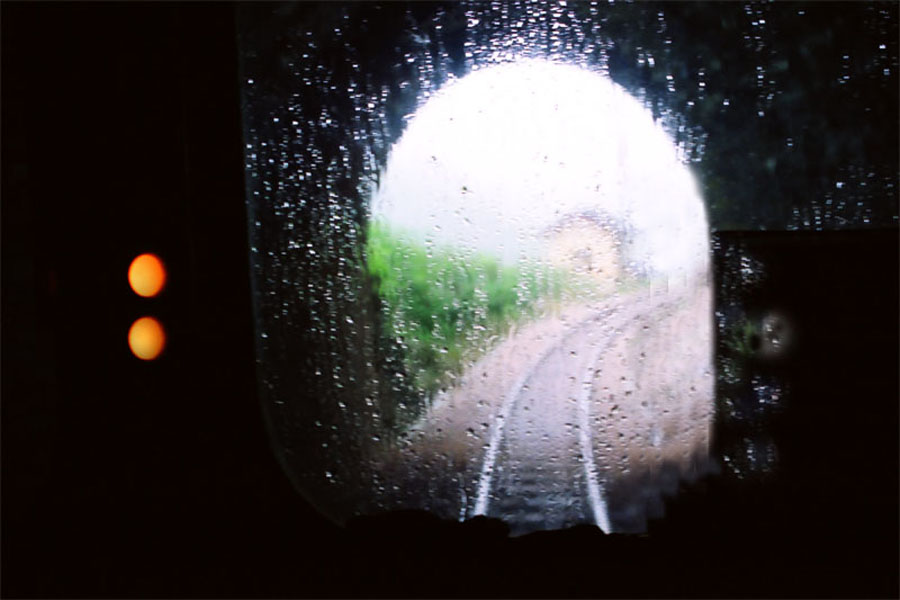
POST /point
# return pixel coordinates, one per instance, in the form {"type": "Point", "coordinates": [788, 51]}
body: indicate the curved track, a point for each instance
{"type": "Point", "coordinates": [538, 431]}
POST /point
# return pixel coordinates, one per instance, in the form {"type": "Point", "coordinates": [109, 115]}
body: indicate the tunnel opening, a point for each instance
{"type": "Point", "coordinates": [482, 276]}
{"type": "Point", "coordinates": [527, 208]}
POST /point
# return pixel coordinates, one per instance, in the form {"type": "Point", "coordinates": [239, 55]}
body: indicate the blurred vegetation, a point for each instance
{"type": "Point", "coordinates": [446, 307]}
{"type": "Point", "coordinates": [742, 338]}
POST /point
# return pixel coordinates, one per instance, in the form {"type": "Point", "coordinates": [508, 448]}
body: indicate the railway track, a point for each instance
{"type": "Point", "coordinates": [539, 470]}
{"type": "Point", "coordinates": [548, 441]}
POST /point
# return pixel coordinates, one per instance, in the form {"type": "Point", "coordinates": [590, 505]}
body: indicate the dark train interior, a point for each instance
{"type": "Point", "coordinates": [122, 134]}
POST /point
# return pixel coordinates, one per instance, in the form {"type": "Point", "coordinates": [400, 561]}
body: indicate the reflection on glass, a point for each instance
{"type": "Point", "coordinates": [146, 338]}
{"type": "Point", "coordinates": [147, 275]}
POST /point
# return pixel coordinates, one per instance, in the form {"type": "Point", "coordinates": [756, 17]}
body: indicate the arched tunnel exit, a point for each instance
{"type": "Point", "coordinates": [539, 253]}
{"type": "Point", "coordinates": [481, 275]}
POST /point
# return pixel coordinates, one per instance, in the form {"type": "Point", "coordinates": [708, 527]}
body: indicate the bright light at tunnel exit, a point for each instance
{"type": "Point", "coordinates": [146, 338]}
{"type": "Point", "coordinates": [543, 163]}
{"type": "Point", "coordinates": [496, 158]}
{"type": "Point", "coordinates": [147, 275]}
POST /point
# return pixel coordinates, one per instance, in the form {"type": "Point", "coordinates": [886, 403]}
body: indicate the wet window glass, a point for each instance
{"type": "Point", "coordinates": [489, 241]}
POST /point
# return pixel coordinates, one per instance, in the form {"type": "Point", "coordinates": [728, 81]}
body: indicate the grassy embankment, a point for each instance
{"type": "Point", "coordinates": [447, 306]}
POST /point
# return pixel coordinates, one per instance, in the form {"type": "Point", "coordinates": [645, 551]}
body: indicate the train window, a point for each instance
{"type": "Point", "coordinates": [481, 240]}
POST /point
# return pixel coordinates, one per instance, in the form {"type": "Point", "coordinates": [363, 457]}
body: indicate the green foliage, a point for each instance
{"type": "Point", "coordinates": [446, 306]}
{"type": "Point", "coordinates": [739, 338]}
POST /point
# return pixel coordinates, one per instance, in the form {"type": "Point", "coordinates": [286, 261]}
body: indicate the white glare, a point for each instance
{"type": "Point", "coordinates": [495, 159]}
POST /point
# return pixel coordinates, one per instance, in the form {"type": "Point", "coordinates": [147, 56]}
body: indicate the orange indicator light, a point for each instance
{"type": "Point", "coordinates": [147, 275]}
{"type": "Point", "coordinates": [146, 338]}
